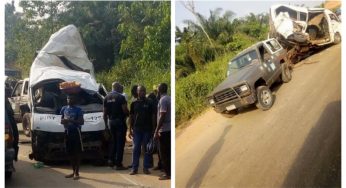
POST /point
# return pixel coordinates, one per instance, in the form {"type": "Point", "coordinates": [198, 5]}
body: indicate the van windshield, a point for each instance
{"type": "Point", "coordinates": [49, 99]}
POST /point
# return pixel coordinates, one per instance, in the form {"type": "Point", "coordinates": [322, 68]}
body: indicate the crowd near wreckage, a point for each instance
{"type": "Point", "coordinates": [68, 115]}
{"type": "Point", "coordinates": [294, 33]}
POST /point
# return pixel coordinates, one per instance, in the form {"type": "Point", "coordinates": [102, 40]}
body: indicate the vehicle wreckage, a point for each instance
{"type": "Point", "coordinates": [300, 29]}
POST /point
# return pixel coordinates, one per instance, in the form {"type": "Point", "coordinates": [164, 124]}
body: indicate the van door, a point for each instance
{"type": "Point", "coordinates": [335, 25]}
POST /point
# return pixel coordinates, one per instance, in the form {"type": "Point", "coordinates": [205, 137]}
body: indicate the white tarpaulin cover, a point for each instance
{"type": "Point", "coordinates": [68, 43]}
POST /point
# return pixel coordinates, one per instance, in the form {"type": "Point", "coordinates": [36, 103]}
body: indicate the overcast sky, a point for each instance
{"type": "Point", "coordinates": [240, 8]}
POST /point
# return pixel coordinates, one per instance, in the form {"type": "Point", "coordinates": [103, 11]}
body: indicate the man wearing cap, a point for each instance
{"type": "Point", "coordinates": [115, 112]}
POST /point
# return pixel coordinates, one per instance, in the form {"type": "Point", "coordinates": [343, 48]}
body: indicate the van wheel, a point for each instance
{"type": "Point", "coordinates": [8, 174]}
{"type": "Point", "coordinates": [36, 154]}
{"type": "Point", "coordinates": [265, 99]}
{"type": "Point", "coordinates": [229, 114]}
{"type": "Point", "coordinates": [286, 75]}
{"type": "Point", "coordinates": [27, 124]}
{"type": "Point", "coordinates": [337, 38]}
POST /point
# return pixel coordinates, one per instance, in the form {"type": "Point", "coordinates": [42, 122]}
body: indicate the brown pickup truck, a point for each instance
{"type": "Point", "coordinates": [249, 77]}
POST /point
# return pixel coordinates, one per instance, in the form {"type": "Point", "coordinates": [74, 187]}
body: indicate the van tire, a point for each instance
{"type": "Point", "coordinates": [27, 124]}
{"type": "Point", "coordinates": [265, 98]}
{"type": "Point", "coordinates": [337, 38]}
{"type": "Point", "coordinates": [286, 75]}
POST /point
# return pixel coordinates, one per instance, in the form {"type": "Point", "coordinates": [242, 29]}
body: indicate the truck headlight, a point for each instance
{"type": "Point", "coordinates": [244, 88]}
{"type": "Point", "coordinates": [211, 101]}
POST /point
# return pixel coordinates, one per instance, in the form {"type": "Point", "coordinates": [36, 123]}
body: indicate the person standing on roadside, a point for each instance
{"type": "Point", "coordinates": [115, 112]}
{"type": "Point", "coordinates": [72, 119]}
{"type": "Point", "coordinates": [163, 130]}
{"type": "Point", "coordinates": [141, 129]}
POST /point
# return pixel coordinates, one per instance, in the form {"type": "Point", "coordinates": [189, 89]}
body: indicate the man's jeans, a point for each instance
{"type": "Point", "coordinates": [116, 150]}
{"type": "Point", "coordinates": [140, 138]}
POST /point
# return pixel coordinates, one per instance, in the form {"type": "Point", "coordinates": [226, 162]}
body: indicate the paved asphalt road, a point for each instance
{"type": "Point", "coordinates": [297, 143]}
{"type": "Point", "coordinates": [91, 176]}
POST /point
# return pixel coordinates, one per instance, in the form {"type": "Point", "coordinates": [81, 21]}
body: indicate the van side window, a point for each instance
{"type": "Point", "coordinates": [292, 13]}
{"type": "Point", "coordinates": [18, 90]}
{"type": "Point", "coordinates": [333, 17]}
{"type": "Point", "coordinates": [302, 16]}
{"type": "Point", "coordinates": [25, 88]}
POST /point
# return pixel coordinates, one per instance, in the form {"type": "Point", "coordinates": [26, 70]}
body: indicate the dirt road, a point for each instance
{"type": "Point", "coordinates": [295, 143]}
{"type": "Point", "coordinates": [91, 176]}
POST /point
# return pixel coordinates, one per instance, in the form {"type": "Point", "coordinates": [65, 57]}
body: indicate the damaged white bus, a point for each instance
{"type": "Point", "coordinates": [64, 58]}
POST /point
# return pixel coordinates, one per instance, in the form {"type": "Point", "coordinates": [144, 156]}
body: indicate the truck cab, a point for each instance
{"type": "Point", "coordinates": [250, 75]}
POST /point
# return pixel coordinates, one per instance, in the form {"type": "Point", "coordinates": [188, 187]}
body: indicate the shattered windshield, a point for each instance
{"type": "Point", "coordinates": [48, 98]}
{"type": "Point", "coordinates": [243, 60]}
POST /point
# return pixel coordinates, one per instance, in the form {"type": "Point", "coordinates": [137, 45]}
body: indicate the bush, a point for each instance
{"type": "Point", "coordinates": [191, 91]}
{"type": "Point", "coordinates": [129, 74]}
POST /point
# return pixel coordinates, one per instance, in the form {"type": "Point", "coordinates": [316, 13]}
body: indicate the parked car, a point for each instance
{"type": "Point", "coordinates": [19, 98]}
{"type": "Point", "coordinates": [305, 26]}
{"type": "Point", "coordinates": [11, 140]}
{"type": "Point", "coordinates": [249, 77]}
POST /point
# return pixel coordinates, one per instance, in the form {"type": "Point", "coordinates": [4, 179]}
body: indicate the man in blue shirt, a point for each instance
{"type": "Point", "coordinates": [72, 119]}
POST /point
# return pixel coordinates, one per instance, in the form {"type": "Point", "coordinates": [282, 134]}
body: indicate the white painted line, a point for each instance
{"type": "Point", "coordinates": [129, 180]}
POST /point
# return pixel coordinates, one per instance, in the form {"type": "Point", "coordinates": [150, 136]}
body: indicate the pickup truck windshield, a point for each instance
{"type": "Point", "coordinates": [243, 60]}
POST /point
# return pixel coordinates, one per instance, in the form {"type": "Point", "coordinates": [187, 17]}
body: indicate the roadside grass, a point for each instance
{"type": "Point", "coordinates": [192, 90]}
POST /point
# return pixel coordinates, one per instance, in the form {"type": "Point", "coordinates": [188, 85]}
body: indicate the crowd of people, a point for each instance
{"type": "Point", "coordinates": [147, 120]}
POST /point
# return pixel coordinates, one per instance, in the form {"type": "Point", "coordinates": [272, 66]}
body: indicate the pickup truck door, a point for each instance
{"type": "Point", "coordinates": [16, 97]}
{"type": "Point", "coordinates": [269, 66]}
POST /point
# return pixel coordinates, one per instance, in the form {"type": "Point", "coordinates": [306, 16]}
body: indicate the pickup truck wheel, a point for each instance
{"type": "Point", "coordinates": [286, 75]}
{"type": "Point", "coordinates": [229, 114]}
{"type": "Point", "coordinates": [265, 98]}
{"type": "Point", "coordinates": [337, 38]}
{"type": "Point", "coordinates": [26, 124]}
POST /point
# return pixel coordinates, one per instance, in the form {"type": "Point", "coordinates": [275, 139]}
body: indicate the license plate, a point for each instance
{"type": "Point", "coordinates": [230, 107]}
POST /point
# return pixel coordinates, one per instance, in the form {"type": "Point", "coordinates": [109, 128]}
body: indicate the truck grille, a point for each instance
{"type": "Point", "coordinates": [226, 95]}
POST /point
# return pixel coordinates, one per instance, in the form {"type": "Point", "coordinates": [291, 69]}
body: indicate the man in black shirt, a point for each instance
{"type": "Point", "coordinates": [114, 114]}
{"type": "Point", "coordinates": [141, 128]}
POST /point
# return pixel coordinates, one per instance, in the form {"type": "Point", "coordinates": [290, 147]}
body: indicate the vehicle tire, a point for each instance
{"type": "Point", "coordinates": [286, 75]}
{"type": "Point", "coordinates": [27, 124]}
{"type": "Point", "coordinates": [35, 149]}
{"type": "Point", "coordinates": [8, 174]}
{"type": "Point", "coordinates": [229, 114]}
{"type": "Point", "coordinates": [337, 38]}
{"type": "Point", "coordinates": [265, 99]}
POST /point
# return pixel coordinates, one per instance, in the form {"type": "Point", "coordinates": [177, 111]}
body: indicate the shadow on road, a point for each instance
{"type": "Point", "coordinates": [115, 184]}
{"type": "Point", "coordinates": [204, 164]}
{"type": "Point", "coordinates": [318, 163]}
{"type": "Point", "coordinates": [28, 176]}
